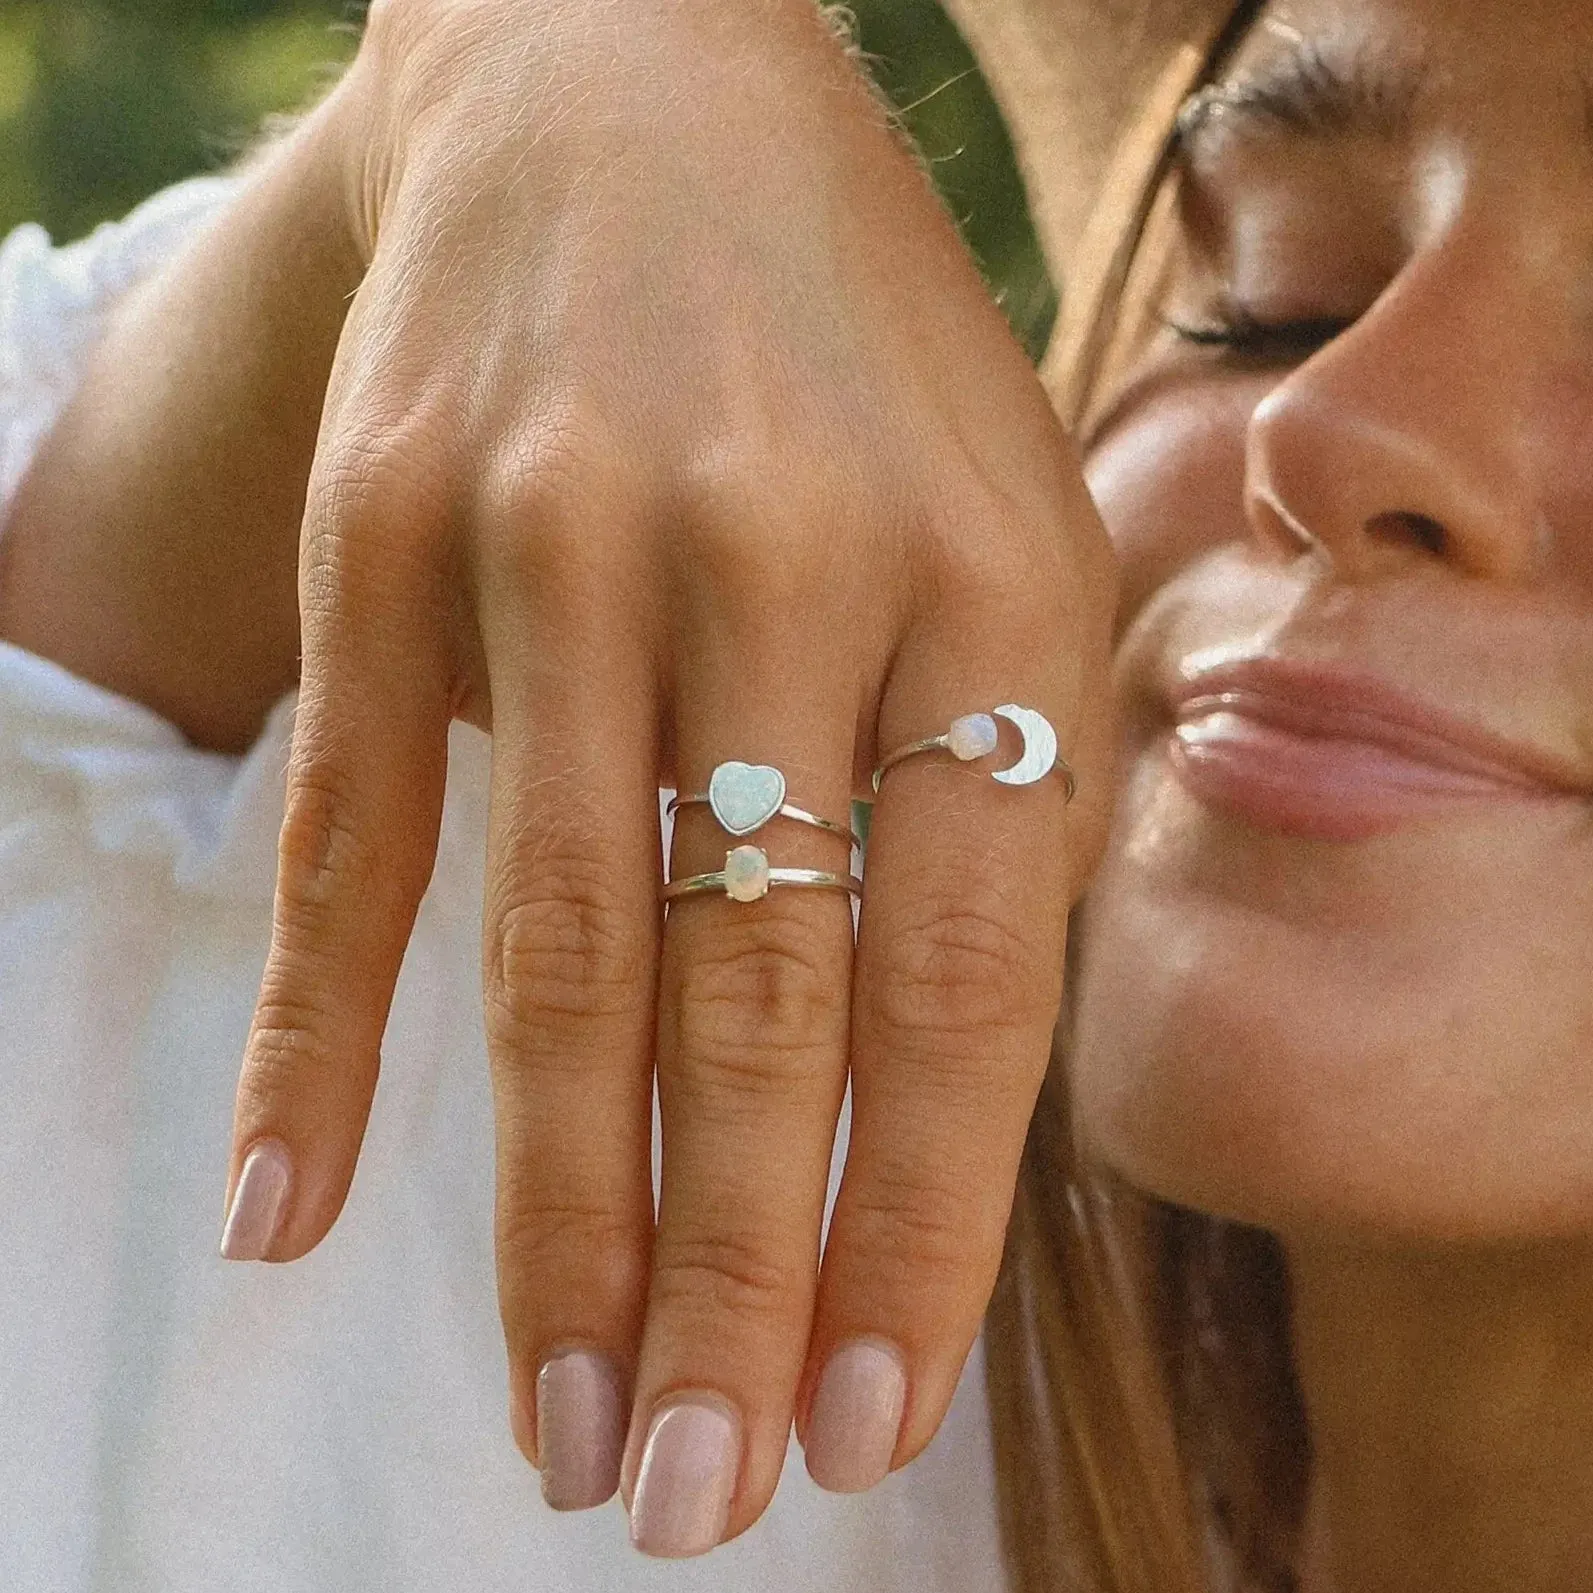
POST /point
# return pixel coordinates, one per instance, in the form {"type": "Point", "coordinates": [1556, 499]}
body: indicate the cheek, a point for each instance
{"type": "Point", "coordinates": [1386, 1041]}
{"type": "Point", "coordinates": [1560, 440]}
{"type": "Point", "coordinates": [1169, 484]}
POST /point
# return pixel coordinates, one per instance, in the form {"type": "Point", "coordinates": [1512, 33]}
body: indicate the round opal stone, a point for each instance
{"type": "Point", "coordinates": [972, 736]}
{"type": "Point", "coordinates": [746, 874]}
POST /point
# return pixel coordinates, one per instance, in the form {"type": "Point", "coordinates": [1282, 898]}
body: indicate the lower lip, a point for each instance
{"type": "Point", "coordinates": [1323, 788]}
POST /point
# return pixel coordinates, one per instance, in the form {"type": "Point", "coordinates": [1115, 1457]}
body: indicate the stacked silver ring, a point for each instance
{"type": "Point", "coordinates": [744, 797]}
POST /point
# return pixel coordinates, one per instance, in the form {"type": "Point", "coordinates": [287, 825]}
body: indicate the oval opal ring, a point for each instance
{"type": "Point", "coordinates": [746, 877]}
{"type": "Point", "coordinates": [975, 736]}
{"type": "Point", "coordinates": [745, 796]}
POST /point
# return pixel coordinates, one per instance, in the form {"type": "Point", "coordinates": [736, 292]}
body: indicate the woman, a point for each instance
{"type": "Point", "coordinates": [1331, 1008]}
{"type": "Point", "coordinates": [1329, 418]}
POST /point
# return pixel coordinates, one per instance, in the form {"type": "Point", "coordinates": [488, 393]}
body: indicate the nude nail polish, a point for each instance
{"type": "Point", "coordinates": [856, 1416]}
{"type": "Point", "coordinates": [257, 1202]}
{"type": "Point", "coordinates": [581, 1421]}
{"type": "Point", "coordinates": [686, 1478]}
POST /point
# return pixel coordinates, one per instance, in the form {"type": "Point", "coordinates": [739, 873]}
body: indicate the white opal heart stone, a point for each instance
{"type": "Point", "coordinates": [746, 874]}
{"type": "Point", "coordinates": [745, 796]}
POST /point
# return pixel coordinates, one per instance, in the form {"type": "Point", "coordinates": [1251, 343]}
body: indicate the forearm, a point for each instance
{"type": "Point", "coordinates": [152, 547]}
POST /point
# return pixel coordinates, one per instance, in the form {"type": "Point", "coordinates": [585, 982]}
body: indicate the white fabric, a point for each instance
{"type": "Point", "coordinates": [174, 1423]}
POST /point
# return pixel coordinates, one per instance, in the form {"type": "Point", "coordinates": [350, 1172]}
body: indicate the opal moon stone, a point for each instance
{"type": "Point", "coordinates": [972, 736]}
{"type": "Point", "coordinates": [746, 874]}
{"type": "Point", "coordinates": [745, 796]}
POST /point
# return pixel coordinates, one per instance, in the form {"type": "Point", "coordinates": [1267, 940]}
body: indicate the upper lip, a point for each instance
{"type": "Point", "coordinates": [1334, 702]}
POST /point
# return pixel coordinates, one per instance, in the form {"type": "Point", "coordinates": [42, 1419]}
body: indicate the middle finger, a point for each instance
{"type": "Point", "coordinates": [753, 1026]}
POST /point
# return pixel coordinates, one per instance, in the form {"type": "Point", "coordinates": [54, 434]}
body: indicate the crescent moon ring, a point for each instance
{"type": "Point", "coordinates": [973, 736]}
{"type": "Point", "coordinates": [1039, 747]}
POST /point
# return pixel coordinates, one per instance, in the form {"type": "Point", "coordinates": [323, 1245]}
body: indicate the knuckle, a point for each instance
{"type": "Point", "coordinates": [552, 1237]}
{"type": "Point", "coordinates": [908, 1229]}
{"type": "Point", "coordinates": [987, 550]}
{"type": "Point", "coordinates": [565, 949]}
{"type": "Point", "coordinates": [734, 1084]}
{"type": "Point", "coordinates": [728, 1274]}
{"type": "Point", "coordinates": [996, 571]}
{"type": "Point", "coordinates": [284, 1041]}
{"type": "Point", "coordinates": [384, 463]}
{"type": "Point", "coordinates": [322, 856]}
{"type": "Point", "coordinates": [294, 1045]}
{"type": "Point", "coordinates": [755, 538]}
{"type": "Point", "coordinates": [757, 997]}
{"type": "Point", "coordinates": [962, 970]}
{"type": "Point", "coordinates": [372, 471]}
{"type": "Point", "coordinates": [554, 499]}
{"type": "Point", "coordinates": [368, 558]}
{"type": "Point", "coordinates": [733, 465]}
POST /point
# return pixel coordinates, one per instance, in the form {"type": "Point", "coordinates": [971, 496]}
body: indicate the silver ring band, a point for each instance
{"type": "Point", "coordinates": [927, 744]}
{"type": "Point", "coordinates": [695, 884]}
{"type": "Point", "coordinates": [974, 736]}
{"type": "Point", "coordinates": [746, 878]}
{"type": "Point", "coordinates": [786, 810]}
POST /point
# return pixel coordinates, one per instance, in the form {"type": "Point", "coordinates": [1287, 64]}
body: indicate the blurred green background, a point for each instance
{"type": "Point", "coordinates": [104, 101]}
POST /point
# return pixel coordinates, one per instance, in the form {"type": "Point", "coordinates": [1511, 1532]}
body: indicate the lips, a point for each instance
{"type": "Point", "coordinates": [1329, 754]}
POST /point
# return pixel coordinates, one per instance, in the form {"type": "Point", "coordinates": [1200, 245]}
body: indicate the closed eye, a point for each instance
{"type": "Point", "coordinates": [1245, 337]}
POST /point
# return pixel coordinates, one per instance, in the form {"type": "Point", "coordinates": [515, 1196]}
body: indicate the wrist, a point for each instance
{"type": "Point", "coordinates": [439, 86]}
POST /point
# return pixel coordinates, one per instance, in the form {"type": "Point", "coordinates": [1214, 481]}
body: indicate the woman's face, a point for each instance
{"type": "Point", "coordinates": [1338, 966]}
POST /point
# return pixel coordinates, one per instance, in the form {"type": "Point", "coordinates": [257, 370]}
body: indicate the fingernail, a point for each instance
{"type": "Point", "coordinates": [257, 1202]}
{"type": "Point", "coordinates": [581, 1421]}
{"type": "Point", "coordinates": [856, 1416]}
{"type": "Point", "coordinates": [686, 1478]}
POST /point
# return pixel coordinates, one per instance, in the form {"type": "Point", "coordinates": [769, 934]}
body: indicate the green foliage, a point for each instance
{"type": "Point", "coordinates": [920, 60]}
{"type": "Point", "coordinates": [104, 101]}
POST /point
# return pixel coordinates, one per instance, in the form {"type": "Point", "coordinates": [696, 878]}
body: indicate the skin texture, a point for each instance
{"type": "Point", "coordinates": [1379, 1046]}
{"type": "Point", "coordinates": [643, 472]}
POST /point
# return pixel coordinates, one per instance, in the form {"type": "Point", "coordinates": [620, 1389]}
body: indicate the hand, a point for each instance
{"type": "Point", "coordinates": [671, 424]}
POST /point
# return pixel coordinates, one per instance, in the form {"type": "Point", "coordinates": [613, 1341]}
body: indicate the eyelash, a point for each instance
{"type": "Point", "coordinates": [1241, 335]}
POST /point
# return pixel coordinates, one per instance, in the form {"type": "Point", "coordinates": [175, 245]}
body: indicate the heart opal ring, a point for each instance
{"type": "Point", "coordinates": [975, 736]}
{"type": "Point", "coordinates": [745, 796]}
{"type": "Point", "coordinates": [747, 876]}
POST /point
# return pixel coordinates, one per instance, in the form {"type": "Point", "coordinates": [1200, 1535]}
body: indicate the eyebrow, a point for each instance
{"type": "Point", "coordinates": [1305, 93]}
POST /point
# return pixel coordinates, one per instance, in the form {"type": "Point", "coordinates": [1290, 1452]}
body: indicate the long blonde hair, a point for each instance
{"type": "Point", "coordinates": [1149, 1435]}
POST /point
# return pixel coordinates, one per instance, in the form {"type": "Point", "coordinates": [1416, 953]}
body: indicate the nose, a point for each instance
{"type": "Point", "coordinates": [1403, 440]}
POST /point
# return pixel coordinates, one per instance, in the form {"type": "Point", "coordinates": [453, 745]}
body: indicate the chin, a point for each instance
{"type": "Point", "coordinates": [1389, 1040]}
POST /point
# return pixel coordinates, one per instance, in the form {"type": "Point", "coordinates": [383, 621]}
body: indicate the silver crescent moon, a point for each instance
{"type": "Point", "coordinates": [1039, 746]}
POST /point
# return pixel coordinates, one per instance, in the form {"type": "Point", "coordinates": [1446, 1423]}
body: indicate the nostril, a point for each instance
{"type": "Point", "coordinates": [1410, 530]}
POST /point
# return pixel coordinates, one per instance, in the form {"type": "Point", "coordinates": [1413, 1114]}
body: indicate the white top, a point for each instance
{"type": "Point", "coordinates": [174, 1423]}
